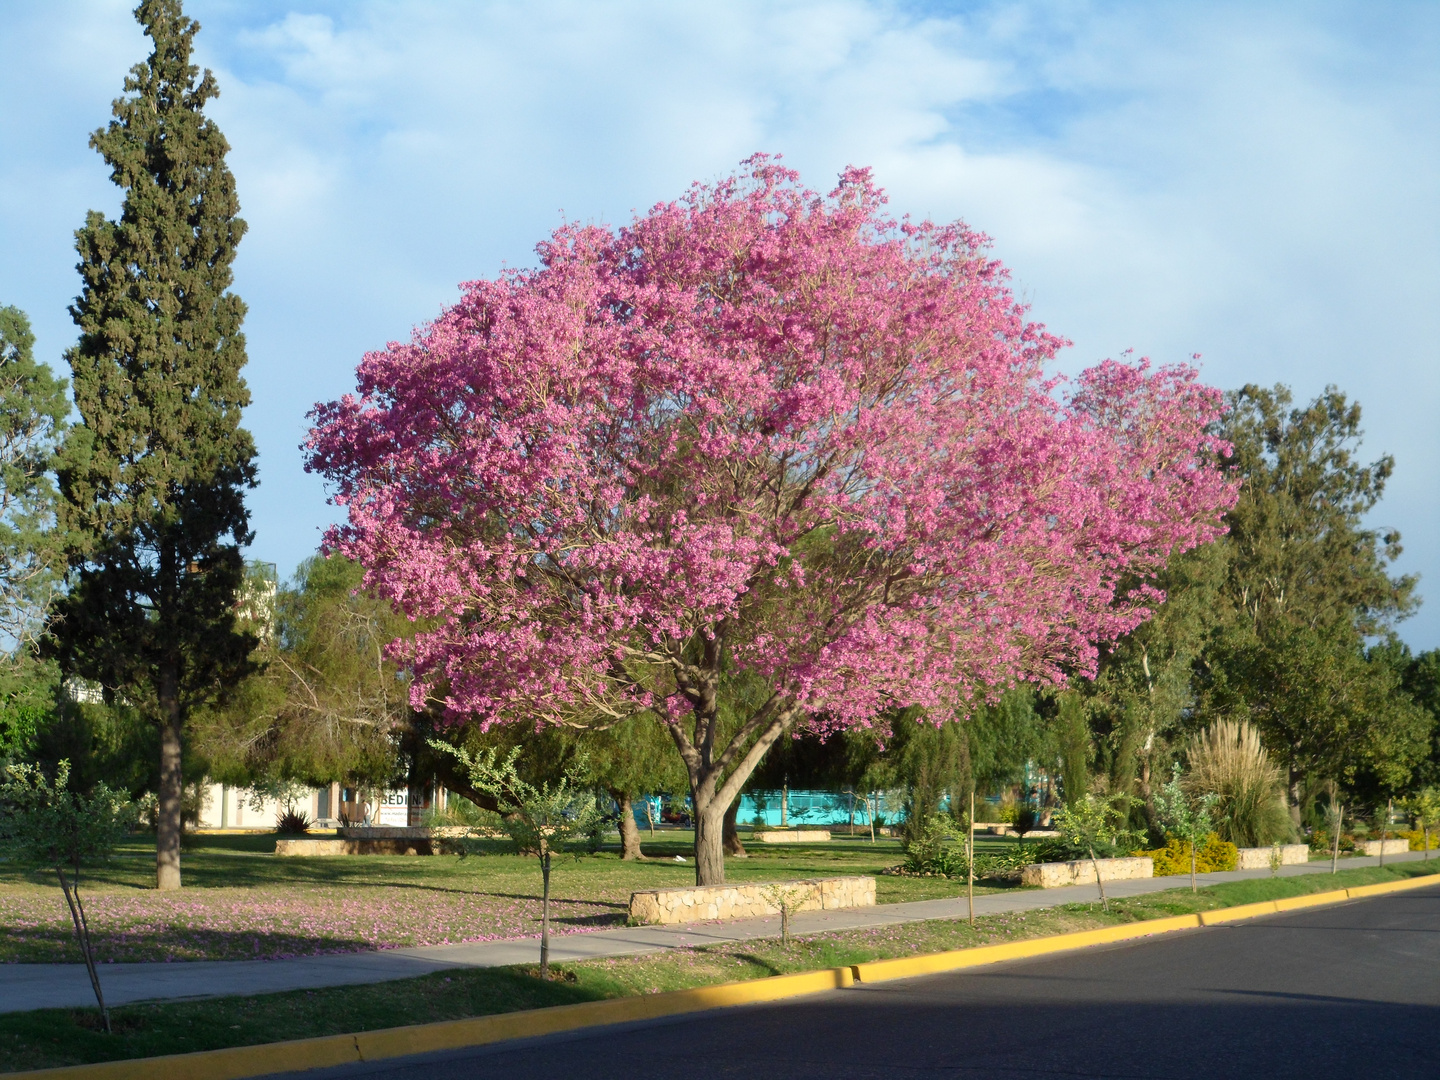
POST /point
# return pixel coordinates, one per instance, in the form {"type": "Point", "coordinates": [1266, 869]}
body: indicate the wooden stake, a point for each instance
{"type": "Point", "coordinates": [970, 859]}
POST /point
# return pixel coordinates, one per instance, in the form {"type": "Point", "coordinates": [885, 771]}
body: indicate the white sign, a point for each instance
{"type": "Point", "coordinates": [394, 809]}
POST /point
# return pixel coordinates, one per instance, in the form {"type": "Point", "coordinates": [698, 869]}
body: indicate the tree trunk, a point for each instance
{"type": "Point", "coordinates": [82, 932]}
{"type": "Point", "coordinates": [168, 823]}
{"type": "Point", "coordinates": [545, 915]}
{"type": "Point", "coordinates": [1193, 887]}
{"type": "Point", "coordinates": [1339, 826]}
{"type": "Point", "coordinates": [716, 776]}
{"type": "Point", "coordinates": [710, 844]}
{"type": "Point", "coordinates": [629, 831]}
{"type": "Point", "coordinates": [969, 860]}
{"type": "Point", "coordinates": [731, 834]}
{"type": "Point", "coordinates": [785, 803]}
{"type": "Point", "coordinates": [1099, 882]}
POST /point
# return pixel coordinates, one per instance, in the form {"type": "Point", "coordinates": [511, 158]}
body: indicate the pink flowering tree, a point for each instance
{"type": "Point", "coordinates": [761, 460]}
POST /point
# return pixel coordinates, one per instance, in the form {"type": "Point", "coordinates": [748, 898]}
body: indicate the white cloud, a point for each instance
{"type": "Point", "coordinates": [1251, 181]}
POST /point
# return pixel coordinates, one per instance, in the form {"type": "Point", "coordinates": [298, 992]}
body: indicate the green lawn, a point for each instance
{"type": "Point", "coordinates": [70, 1036]}
{"type": "Point", "coordinates": [243, 902]}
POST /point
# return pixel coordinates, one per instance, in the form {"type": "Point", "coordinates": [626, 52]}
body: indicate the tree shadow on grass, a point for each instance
{"type": "Point", "coordinates": [56, 945]}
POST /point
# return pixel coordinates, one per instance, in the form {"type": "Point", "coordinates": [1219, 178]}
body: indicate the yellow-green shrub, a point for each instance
{"type": "Point", "coordinates": [1174, 857]}
{"type": "Point", "coordinates": [1417, 839]}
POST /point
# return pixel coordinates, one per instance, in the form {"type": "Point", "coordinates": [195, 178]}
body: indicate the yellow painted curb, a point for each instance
{"type": "Point", "coordinates": [1390, 886]}
{"type": "Point", "coordinates": [1292, 903]}
{"type": "Point", "coordinates": [481, 1030]}
{"type": "Point", "coordinates": [910, 966]}
{"type": "Point", "coordinates": [237, 1063]}
{"type": "Point", "coordinates": [1233, 914]}
{"type": "Point", "coordinates": [232, 1063]}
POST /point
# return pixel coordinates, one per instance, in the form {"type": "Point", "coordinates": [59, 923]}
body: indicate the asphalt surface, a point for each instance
{"type": "Point", "coordinates": [1346, 991]}
{"type": "Point", "coordinates": [50, 986]}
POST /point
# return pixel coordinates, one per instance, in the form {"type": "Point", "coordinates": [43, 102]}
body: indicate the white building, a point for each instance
{"type": "Point", "coordinates": [225, 807]}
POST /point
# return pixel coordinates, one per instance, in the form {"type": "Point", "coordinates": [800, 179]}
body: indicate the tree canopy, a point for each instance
{"type": "Point", "coordinates": [154, 479]}
{"type": "Point", "coordinates": [766, 432]}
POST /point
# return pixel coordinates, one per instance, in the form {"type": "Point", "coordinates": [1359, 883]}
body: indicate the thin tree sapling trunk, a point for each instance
{"type": "Point", "coordinates": [650, 815]}
{"type": "Point", "coordinates": [970, 859]}
{"type": "Point", "coordinates": [1425, 838]}
{"type": "Point", "coordinates": [82, 933]}
{"type": "Point", "coordinates": [1193, 887]}
{"type": "Point", "coordinates": [1099, 882]}
{"type": "Point", "coordinates": [544, 910]}
{"type": "Point", "coordinates": [1384, 833]}
{"type": "Point", "coordinates": [629, 831]}
{"type": "Point", "coordinates": [872, 803]}
{"type": "Point", "coordinates": [1339, 826]}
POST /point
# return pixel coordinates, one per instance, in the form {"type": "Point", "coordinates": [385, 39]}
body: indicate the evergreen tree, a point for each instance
{"type": "Point", "coordinates": [154, 481]}
{"type": "Point", "coordinates": [1306, 584]}
{"type": "Point", "coordinates": [32, 419]}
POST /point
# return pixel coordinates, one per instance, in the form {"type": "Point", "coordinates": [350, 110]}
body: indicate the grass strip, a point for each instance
{"type": "Point", "coordinates": [51, 1037]}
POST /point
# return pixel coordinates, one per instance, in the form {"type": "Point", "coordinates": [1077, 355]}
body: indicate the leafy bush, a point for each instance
{"type": "Point", "coordinates": [1417, 838]}
{"type": "Point", "coordinates": [292, 823]}
{"type": "Point", "coordinates": [1027, 819]}
{"type": "Point", "coordinates": [1174, 857]}
{"type": "Point", "coordinates": [928, 849]}
{"type": "Point", "coordinates": [1008, 812]}
{"type": "Point", "coordinates": [1322, 842]}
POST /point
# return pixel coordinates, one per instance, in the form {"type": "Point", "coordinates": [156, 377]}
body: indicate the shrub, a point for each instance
{"type": "Point", "coordinates": [1228, 759]}
{"type": "Point", "coordinates": [1174, 857]}
{"type": "Point", "coordinates": [1417, 839]}
{"type": "Point", "coordinates": [928, 849]}
{"type": "Point", "coordinates": [1027, 819]}
{"type": "Point", "coordinates": [292, 823]}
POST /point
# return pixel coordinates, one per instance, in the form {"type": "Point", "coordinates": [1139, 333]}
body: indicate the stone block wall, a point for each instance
{"type": "Point", "coordinates": [1392, 847]}
{"type": "Point", "coordinates": [1258, 858]}
{"type": "Point", "coordinates": [339, 846]}
{"type": "Point", "coordinates": [661, 907]}
{"type": "Point", "coordinates": [1082, 871]}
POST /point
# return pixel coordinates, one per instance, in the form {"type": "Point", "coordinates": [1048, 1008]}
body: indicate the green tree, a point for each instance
{"type": "Point", "coordinates": [1186, 816]}
{"type": "Point", "coordinates": [33, 409]}
{"type": "Point", "coordinates": [326, 702]}
{"type": "Point", "coordinates": [1306, 584]}
{"type": "Point", "coordinates": [635, 757]}
{"type": "Point", "coordinates": [63, 829]}
{"type": "Point", "coordinates": [544, 818]}
{"type": "Point", "coordinates": [154, 481]}
{"type": "Point", "coordinates": [1096, 822]}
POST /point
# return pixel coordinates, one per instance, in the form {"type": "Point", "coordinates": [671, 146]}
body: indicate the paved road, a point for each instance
{"type": "Point", "coordinates": [40, 986]}
{"type": "Point", "coordinates": [1342, 992]}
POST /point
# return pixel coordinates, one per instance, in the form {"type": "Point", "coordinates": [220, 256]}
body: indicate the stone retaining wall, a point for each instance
{"type": "Point", "coordinates": [667, 906]}
{"type": "Point", "coordinates": [1392, 847]}
{"type": "Point", "coordinates": [400, 832]}
{"type": "Point", "coordinates": [1258, 858]}
{"type": "Point", "coordinates": [1082, 871]}
{"type": "Point", "coordinates": [340, 846]}
{"type": "Point", "coordinates": [792, 836]}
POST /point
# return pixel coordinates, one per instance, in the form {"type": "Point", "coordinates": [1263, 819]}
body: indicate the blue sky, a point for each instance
{"type": "Point", "coordinates": [1258, 183]}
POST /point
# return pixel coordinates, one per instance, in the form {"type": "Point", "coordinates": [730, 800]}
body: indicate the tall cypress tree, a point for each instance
{"type": "Point", "coordinates": [154, 483]}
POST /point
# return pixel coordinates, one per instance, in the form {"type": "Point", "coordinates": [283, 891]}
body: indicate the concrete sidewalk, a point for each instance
{"type": "Point", "coordinates": [42, 986]}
